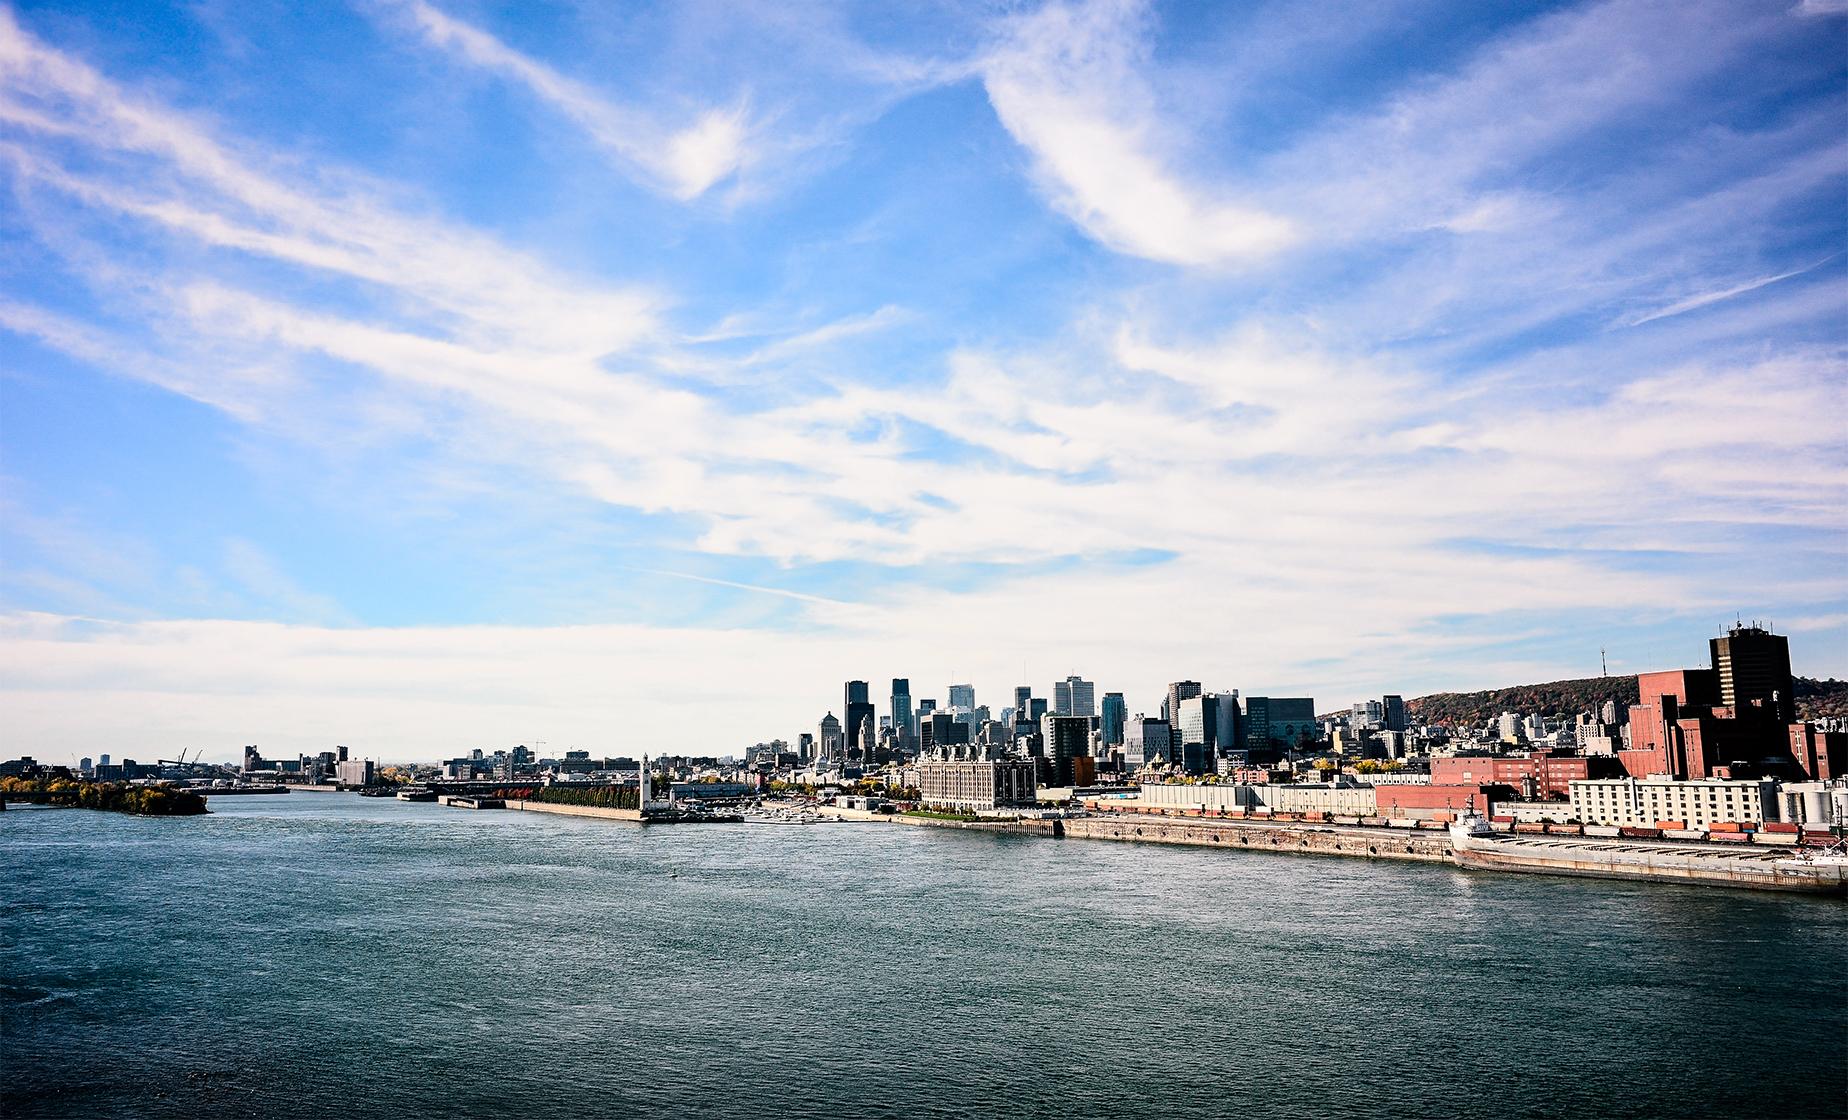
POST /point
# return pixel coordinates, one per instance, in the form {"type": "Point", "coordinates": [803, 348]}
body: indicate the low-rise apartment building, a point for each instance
{"type": "Point", "coordinates": [1643, 802]}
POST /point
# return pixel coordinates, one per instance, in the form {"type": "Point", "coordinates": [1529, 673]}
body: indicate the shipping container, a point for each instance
{"type": "Point", "coordinates": [1774, 838]}
{"type": "Point", "coordinates": [1731, 837]}
{"type": "Point", "coordinates": [1666, 826]}
{"type": "Point", "coordinates": [1778, 826]}
{"type": "Point", "coordinates": [1725, 826]}
{"type": "Point", "coordinates": [1641, 833]}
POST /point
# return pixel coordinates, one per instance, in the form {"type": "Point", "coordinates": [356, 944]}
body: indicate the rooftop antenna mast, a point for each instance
{"type": "Point", "coordinates": [1604, 667]}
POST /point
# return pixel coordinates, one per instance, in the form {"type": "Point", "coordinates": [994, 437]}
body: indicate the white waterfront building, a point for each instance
{"type": "Point", "coordinates": [1641, 802]}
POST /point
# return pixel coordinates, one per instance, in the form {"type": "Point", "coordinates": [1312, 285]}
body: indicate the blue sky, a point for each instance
{"type": "Point", "coordinates": [422, 376]}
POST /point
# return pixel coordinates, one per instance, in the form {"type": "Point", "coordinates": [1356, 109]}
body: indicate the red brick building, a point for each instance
{"type": "Point", "coordinates": [1425, 802]}
{"type": "Point", "coordinates": [1537, 776]}
{"type": "Point", "coordinates": [1680, 726]}
{"type": "Point", "coordinates": [1821, 754]}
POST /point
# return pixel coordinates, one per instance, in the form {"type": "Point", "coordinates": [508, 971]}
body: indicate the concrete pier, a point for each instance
{"type": "Point", "coordinates": [633, 816]}
{"type": "Point", "coordinates": [1302, 839]}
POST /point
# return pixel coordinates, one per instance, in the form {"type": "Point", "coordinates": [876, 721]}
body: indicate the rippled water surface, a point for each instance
{"type": "Point", "coordinates": [320, 955]}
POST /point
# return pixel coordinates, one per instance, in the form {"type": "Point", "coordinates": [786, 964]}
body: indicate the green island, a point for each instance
{"type": "Point", "coordinates": [113, 797]}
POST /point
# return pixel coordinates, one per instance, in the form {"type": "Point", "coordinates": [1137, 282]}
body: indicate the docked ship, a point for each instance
{"type": "Point", "coordinates": [223, 788]}
{"type": "Point", "coordinates": [417, 793]}
{"type": "Point", "coordinates": [1476, 844]}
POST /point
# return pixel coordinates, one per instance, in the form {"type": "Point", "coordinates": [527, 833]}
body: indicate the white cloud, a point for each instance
{"type": "Point", "coordinates": [685, 159]}
{"type": "Point", "coordinates": [160, 166]}
{"type": "Point", "coordinates": [1064, 82]}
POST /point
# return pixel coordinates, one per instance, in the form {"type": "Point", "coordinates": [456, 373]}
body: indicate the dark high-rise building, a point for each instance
{"type": "Point", "coordinates": [859, 713]}
{"type": "Point", "coordinates": [1754, 664]}
{"type": "Point", "coordinates": [1284, 721]}
{"type": "Point", "coordinates": [1395, 712]}
{"type": "Point", "coordinates": [903, 721]}
{"type": "Point", "coordinates": [941, 729]}
{"type": "Point", "coordinates": [1177, 692]}
{"type": "Point", "coordinates": [1114, 714]}
{"type": "Point", "coordinates": [1067, 738]}
{"type": "Point", "coordinates": [962, 697]}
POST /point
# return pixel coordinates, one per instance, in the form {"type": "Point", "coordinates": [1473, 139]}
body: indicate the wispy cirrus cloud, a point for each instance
{"type": "Point", "coordinates": [1064, 82]}
{"type": "Point", "coordinates": [685, 158]}
{"type": "Point", "coordinates": [1703, 299]}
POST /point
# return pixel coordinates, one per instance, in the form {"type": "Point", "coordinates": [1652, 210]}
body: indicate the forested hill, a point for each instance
{"type": "Point", "coordinates": [1815, 700]}
{"type": "Point", "coordinates": [1555, 698]}
{"type": "Point", "coordinates": [1821, 699]}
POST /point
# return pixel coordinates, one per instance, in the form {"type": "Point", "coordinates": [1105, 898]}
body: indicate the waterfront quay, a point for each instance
{"type": "Point", "coordinates": [1646, 860]}
{"type": "Point", "coordinates": [1474, 843]}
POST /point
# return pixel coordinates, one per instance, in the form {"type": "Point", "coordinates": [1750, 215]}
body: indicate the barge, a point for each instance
{"type": "Point", "coordinates": [1475, 844]}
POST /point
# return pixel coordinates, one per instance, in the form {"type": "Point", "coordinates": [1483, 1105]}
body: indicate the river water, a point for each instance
{"type": "Point", "coordinates": [323, 955]}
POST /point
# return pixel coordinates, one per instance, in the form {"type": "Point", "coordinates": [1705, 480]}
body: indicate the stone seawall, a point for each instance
{"type": "Point", "coordinates": [1022, 827]}
{"type": "Point", "coordinates": [1424, 846]}
{"type": "Point", "coordinates": [631, 815]}
{"type": "Point", "coordinates": [1427, 847]}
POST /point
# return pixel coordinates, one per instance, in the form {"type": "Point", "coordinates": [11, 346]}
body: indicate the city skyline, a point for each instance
{"type": "Point", "coordinates": [878, 712]}
{"type": "Point", "coordinates": [417, 376]}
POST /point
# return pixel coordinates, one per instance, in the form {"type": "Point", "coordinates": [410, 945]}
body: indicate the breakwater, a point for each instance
{"type": "Point", "coordinates": [633, 816]}
{"type": "Point", "coordinates": [1025, 826]}
{"type": "Point", "coordinates": [1425, 846]}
